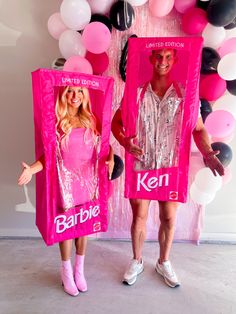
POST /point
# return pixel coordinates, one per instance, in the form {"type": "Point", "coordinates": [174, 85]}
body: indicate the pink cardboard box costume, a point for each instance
{"type": "Point", "coordinates": [163, 125]}
{"type": "Point", "coordinates": [54, 222]}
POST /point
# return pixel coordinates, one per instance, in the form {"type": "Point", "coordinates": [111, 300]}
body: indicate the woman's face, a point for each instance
{"type": "Point", "coordinates": [74, 96]}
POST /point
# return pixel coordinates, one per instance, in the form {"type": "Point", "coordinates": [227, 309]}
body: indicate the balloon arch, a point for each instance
{"type": "Point", "coordinates": [84, 33]}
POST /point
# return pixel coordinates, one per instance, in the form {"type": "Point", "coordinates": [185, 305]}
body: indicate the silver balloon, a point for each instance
{"type": "Point", "coordinates": [58, 64]}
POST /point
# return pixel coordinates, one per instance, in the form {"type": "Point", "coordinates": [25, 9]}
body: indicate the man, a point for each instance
{"type": "Point", "coordinates": [159, 126]}
{"type": "Point", "coordinates": [160, 93]}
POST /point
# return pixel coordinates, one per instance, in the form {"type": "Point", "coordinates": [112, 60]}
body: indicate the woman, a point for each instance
{"type": "Point", "coordinates": [77, 151]}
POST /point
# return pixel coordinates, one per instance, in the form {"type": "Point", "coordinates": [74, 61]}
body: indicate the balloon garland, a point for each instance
{"type": "Point", "coordinates": [83, 29]}
{"type": "Point", "coordinates": [212, 19]}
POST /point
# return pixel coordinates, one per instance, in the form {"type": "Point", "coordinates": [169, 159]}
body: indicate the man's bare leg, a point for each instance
{"type": "Point", "coordinates": [138, 227]}
{"type": "Point", "coordinates": [166, 234]}
{"type": "Point", "coordinates": [138, 235]}
{"type": "Point", "coordinates": [167, 214]}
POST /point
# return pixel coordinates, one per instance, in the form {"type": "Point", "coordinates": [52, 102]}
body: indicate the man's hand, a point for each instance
{"type": "Point", "coordinates": [213, 163]}
{"type": "Point", "coordinates": [130, 147]}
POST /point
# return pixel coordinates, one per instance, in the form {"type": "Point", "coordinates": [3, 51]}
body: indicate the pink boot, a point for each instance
{"type": "Point", "coordinates": [80, 281]}
{"type": "Point", "coordinates": [68, 279]}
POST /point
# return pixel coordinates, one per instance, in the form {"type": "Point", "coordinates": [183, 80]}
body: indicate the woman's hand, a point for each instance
{"type": "Point", "coordinates": [26, 174]}
{"type": "Point", "coordinates": [110, 162]}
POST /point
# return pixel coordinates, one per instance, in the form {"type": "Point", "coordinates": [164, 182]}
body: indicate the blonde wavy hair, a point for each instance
{"type": "Point", "coordinates": [86, 117]}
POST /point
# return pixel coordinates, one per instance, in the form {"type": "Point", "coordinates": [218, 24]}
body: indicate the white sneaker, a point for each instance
{"type": "Point", "coordinates": [166, 271]}
{"type": "Point", "coordinates": [135, 268]}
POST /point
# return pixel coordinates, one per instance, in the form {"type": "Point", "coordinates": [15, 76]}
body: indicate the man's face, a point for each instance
{"type": "Point", "coordinates": [163, 60]}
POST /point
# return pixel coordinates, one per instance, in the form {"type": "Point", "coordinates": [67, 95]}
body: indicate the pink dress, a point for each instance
{"type": "Point", "coordinates": [77, 168]}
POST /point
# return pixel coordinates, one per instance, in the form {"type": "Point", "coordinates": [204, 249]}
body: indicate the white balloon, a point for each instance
{"type": "Point", "coordinates": [213, 36]}
{"type": "Point", "coordinates": [137, 3]}
{"type": "Point", "coordinates": [76, 14]}
{"type": "Point", "coordinates": [227, 177]}
{"type": "Point", "coordinates": [207, 182]}
{"type": "Point", "coordinates": [70, 44]}
{"type": "Point", "coordinates": [200, 197]}
{"type": "Point", "coordinates": [227, 103]}
{"type": "Point", "coordinates": [227, 67]}
{"type": "Point", "coordinates": [100, 7]}
{"type": "Point", "coordinates": [230, 33]}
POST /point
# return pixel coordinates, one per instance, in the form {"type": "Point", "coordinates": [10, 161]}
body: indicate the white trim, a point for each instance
{"type": "Point", "coordinates": [19, 233]}
{"type": "Point", "coordinates": [205, 237]}
{"type": "Point", "coordinates": [218, 237]}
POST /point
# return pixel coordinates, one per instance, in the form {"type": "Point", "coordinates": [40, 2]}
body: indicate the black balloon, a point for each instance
{"type": "Point", "coordinates": [231, 87]}
{"type": "Point", "coordinates": [58, 63]}
{"type": "Point", "coordinates": [210, 60]}
{"type": "Point", "coordinates": [203, 4]}
{"type": "Point", "coordinates": [225, 156]}
{"type": "Point", "coordinates": [221, 13]}
{"type": "Point", "coordinates": [118, 167]}
{"type": "Point", "coordinates": [123, 60]}
{"type": "Point", "coordinates": [231, 25]}
{"type": "Point", "coordinates": [205, 109]}
{"type": "Point", "coordinates": [103, 19]}
{"type": "Point", "coordinates": [122, 15]}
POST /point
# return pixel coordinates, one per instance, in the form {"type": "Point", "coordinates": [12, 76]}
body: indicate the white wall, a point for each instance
{"type": "Point", "coordinates": [25, 45]}
{"type": "Point", "coordinates": [220, 215]}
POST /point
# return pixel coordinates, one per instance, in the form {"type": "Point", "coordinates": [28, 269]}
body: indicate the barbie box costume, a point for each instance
{"type": "Point", "coordinates": [163, 124]}
{"type": "Point", "coordinates": [72, 189]}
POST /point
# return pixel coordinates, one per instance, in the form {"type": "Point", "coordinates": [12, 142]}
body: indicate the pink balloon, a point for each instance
{"type": "Point", "coordinates": [183, 5]}
{"type": "Point", "coordinates": [227, 47]}
{"type": "Point", "coordinates": [225, 140]}
{"type": "Point", "coordinates": [212, 87]}
{"type": "Point", "coordinates": [194, 21]}
{"type": "Point", "coordinates": [55, 25]}
{"type": "Point", "coordinates": [160, 8]}
{"type": "Point", "coordinates": [78, 64]}
{"type": "Point", "coordinates": [99, 61]}
{"type": "Point", "coordinates": [220, 123]}
{"type": "Point", "coordinates": [96, 37]}
{"type": "Point", "coordinates": [196, 163]}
